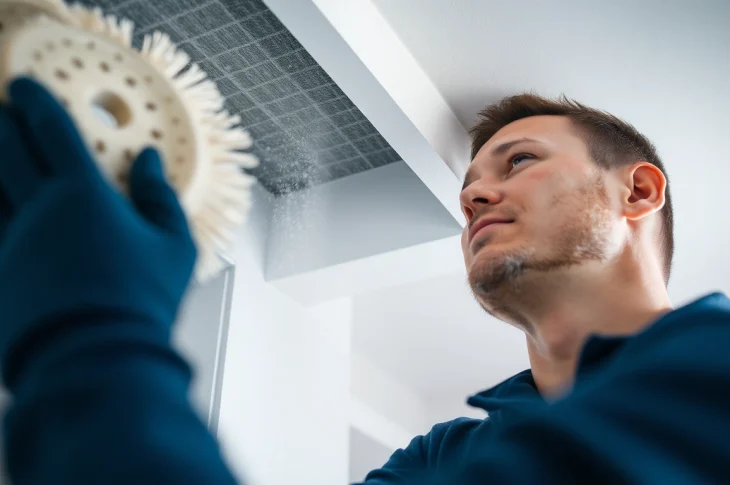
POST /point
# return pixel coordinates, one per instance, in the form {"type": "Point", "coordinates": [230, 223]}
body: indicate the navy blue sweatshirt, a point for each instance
{"type": "Point", "coordinates": [651, 408]}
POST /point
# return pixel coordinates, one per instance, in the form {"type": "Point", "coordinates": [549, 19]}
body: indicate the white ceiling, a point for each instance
{"type": "Point", "coordinates": [664, 66]}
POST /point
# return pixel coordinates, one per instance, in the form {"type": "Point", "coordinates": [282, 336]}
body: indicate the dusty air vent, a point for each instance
{"type": "Point", "coordinates": [307, 131]}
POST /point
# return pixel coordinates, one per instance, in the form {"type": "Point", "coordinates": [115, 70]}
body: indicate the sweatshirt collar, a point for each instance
{"type": "Point", "coordinates": [520, 391]}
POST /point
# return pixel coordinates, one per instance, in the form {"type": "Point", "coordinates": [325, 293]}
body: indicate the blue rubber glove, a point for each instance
{"type": "Point", "coordinates": [70, 244]}
{"type": "Point", "coordinates": [90, 285]}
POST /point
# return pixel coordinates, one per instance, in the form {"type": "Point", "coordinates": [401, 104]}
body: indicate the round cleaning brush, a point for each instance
{"type": "Point", "coordinates": [123, 99]}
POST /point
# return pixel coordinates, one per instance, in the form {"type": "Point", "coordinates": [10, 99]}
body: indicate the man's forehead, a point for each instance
{"type": "Point", "coordinates": [540, 128]}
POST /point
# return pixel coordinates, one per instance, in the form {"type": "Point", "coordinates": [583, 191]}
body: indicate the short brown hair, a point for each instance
{"type": "Point", "coordinates": [611, 142]}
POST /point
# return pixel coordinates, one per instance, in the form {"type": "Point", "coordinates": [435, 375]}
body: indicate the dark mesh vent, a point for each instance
{"type": "Point", "coordinates": [307, 131]}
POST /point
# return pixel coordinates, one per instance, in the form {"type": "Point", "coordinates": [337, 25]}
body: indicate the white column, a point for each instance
{"type": "Point", "coordinates": [285, 396]}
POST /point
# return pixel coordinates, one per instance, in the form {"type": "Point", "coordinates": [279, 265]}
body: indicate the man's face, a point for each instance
{"type": "Point", "coordinates": [547, 201]}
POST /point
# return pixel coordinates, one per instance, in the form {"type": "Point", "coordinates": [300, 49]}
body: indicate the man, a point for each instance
{"type": "Point", "coordinates": [569, 236]}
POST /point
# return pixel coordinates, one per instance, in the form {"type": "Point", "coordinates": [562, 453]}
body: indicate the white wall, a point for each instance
{"type": "Point", "coordinates": [452, 407]}
{"type": "Point", "coordinates": [286, 403]}
{"type": "Point", "coordinates": [376, 389]}
{"type": "Point", "coordinates": [283, 416]}
{"type": "Point", "coordinates": [385, 415]}
{"type": "Point", "coordinates": [366, 454]}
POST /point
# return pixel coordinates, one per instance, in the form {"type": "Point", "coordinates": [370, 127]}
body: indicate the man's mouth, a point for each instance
{"type": "Point", "coordinates": [486, 224]}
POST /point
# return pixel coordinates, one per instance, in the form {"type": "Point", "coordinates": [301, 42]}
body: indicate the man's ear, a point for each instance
{"type": "Point", "coordinates": [645, 190]}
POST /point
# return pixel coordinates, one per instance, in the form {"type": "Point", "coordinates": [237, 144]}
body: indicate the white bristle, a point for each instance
{"type": "Point", "coordinates": [190, 77]}
{"type": "Point", "coordinates": [229, 121]}
{"type": "Point", "coordinates": [112, 26]}
{"type": "Point", "coordinates": [213, 225]}
{"type": "Point", "coordinates": [233, 146]}
{"type": "Point", "coordinates": [146, 45]}
{"type": "Point", "coordinates": [127, 31]}
{"type": "Point", "coordinates": [206, 93]}
{"type": "Point", "coordinates": [157, 46]}
{"type": "Point", "coordinates": [119, 30]}
{"type": "Point", "coordinates": [210, 267]}
{"type": "Point", "coordinates": [231, 214]}
{"type": "Point", "coordinates": [222, 120]}
{"type": "Point", "coordinates": [209, 106]}
{"type": "Point", "coordinates": [176, 63]}
{"type": "Point", "coordinates": [207, 260]}
{"type": "Point", "coordinates": [205, 102]}
{"type": "Point", "coordinates": [236, 216]}
{"type": "Point", "coordinates": [160, 44]}
{"type": "Point", "coordinates": [244, 160]}
{"type": "Point", "coordinates": [235, 178]}
{"type": "Point", "coordinates": [96, 20]}
{"type": "Point", "coordinates": [232, 138]}
{"type": "Point", "coordinates": [233, 193]}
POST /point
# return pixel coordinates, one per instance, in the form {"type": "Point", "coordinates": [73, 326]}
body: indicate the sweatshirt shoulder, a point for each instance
{"type": "Point", "coordinates": [444, 443]}
{"type": "Point", "coordinates": [448, 440]}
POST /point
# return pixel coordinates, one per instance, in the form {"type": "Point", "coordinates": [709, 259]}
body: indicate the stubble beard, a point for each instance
{"type": "Point", "coordinates": [500, 283]}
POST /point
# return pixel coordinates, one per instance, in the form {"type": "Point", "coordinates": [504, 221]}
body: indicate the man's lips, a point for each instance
{"type": "Point", "coordinates": [485, 222]}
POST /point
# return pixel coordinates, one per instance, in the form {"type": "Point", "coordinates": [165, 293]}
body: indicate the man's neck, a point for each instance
{"type": "Point", "coordinates": [559, 322]}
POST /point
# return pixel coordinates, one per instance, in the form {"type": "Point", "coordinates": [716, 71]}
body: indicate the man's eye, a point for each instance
{"type": "Point", "coordinates": [519, 158]}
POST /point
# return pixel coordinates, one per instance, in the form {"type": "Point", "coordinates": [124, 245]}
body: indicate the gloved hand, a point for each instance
{"type": "Point", "coordinates": [71, 246]}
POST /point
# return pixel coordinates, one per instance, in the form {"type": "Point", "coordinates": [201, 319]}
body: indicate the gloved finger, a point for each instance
{"type": "Point", "coordinates": [19, 174]}
{"type": "Point", "coordinates": [153, 196]}
{"type": "Point", "coordinates": [51, 130]}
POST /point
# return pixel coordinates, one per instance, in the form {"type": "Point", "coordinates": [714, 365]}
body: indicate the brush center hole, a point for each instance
{"type": "Point", "coordinates": [111, 110]}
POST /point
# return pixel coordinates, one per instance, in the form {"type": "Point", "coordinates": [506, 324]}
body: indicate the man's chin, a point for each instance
{"type": "Point", "coordinates": [492, 256]}
{"type": "Point", "coordinates": [493, 271]}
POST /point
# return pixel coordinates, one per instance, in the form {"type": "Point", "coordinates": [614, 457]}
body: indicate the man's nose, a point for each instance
{"type": "Point", "coordinates": [478, 195]}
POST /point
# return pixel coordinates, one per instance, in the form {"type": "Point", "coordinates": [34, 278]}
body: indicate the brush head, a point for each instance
{"type": "Point", "coordinates": [123, 100]}
{"type": "Point", "coordinates": [119, 102]}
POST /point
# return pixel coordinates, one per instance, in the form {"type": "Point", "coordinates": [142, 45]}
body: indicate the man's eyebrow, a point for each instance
{"type": "Point", "coordinates": [504, 147]}
{"type": "Point", "coordinates": [496, 151]}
